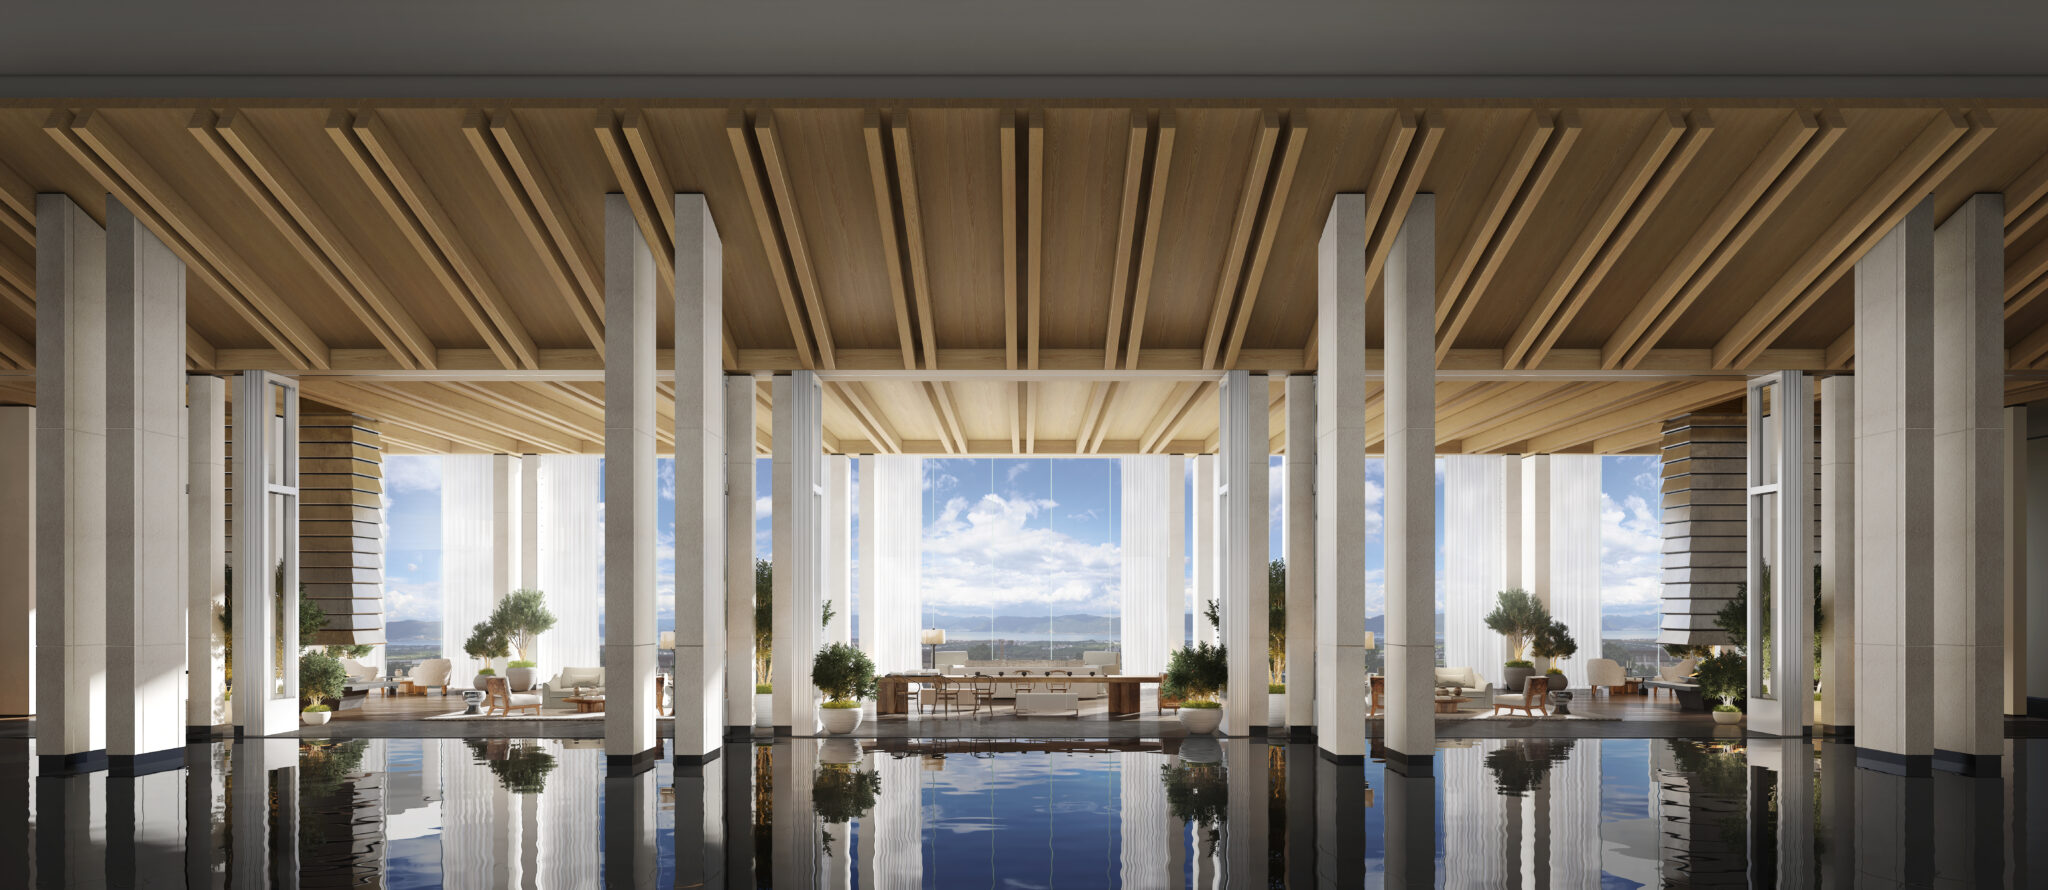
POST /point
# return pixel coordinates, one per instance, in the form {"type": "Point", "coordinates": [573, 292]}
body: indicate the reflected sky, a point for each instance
{"type": "Point", "coordinates": [907, 813]}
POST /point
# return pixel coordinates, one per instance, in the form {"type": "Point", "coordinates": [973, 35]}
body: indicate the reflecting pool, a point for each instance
{"type": "Point", "coordinates": [944, 814]}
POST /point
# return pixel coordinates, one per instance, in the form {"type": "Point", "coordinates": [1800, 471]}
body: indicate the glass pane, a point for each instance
{"type": "Point", "coordinates": [1764, 619]}
{"type": "Point", "coordinates": [1767, 436]}
{"type": "Point", "coordinates": [278, 505]}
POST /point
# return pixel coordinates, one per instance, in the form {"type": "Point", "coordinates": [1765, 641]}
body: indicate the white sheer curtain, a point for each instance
{"type": "Point", "coordinates": [1575, 555]}
{"type": "Point", "coordinates": [891, 574]}
{"type": "Point", "coordinates": [1154, 585]}
{"type": "Point", "coordinates": [1575, 817]}
{"type": "Point", "coordinates": [569, 548]}
{"type": "Point", "coordinates": [1474, 567]}
{"type": "Point", "coordinates": [466, 594]}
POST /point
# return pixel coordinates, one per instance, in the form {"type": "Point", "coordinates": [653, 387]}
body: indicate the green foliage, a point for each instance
{"type": "Point", "coordinates": [1202, 705]}
{"type": "Point", "coordinates": [1196, 673]}
{"type": "Point", "coordinates": [316, 709]}
{"type": "Point", "coordinates": [1554, 641]}
{"type": "Point", "coordinates": [487, 641]}
{"type": "Point", "coordinates": [1682, 651]}
{"type": "Point", "coordinates": [1276, 688]}
{"type": "Point", "coordinates": [1521, 765]}
{"type": "Point", "coordinates": [522, 766]}
{"type": "Point", "coordinates": [522, 664]}
{"type": "Point", "coordinates": [764, 618]}
{"type": "Point", "coordinates": [825, 616]}
{"type": "Point", "coordinates": [1276, 621]}
{"type": "Point", "coordinates": [840, 705]}
{"type": "Point", "coordinates": [1214, 614]}
{"type": "Point", "coordinates": [843, 673]}
{"type": "Point", "coordinates": [321, 678]}
{"type": "Point", "coordinates": [841, 794]}
{"type": "Point", "coordinates": [1521, 663]}
{"type": "Point", "coordinates": [324, 766]}
{"type": "Point", "coordinates": [521, 617]}
{"type": "Point", "coordinates": [1728, 708]}
{"type": "Point", "coordinates": [764, 689]}
{"type": "Point", "coordinates": [1733, 619]}
{"type": "Point", "coordinates": [1724, 677]}
{"type": "Point", "coordinates": [1197, 792]}
{"type": "Point", "coordinates": [486, 672]}
{"type": "Point", "coordinates": [312, 618]}
{"type": "Point", "coordinates": [1519, 616]}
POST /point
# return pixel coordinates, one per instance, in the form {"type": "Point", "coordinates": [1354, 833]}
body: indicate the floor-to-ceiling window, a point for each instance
{"type": "Point", "coordinates": [1631, 562]}
{"type": "Point", "coordinates": [412, 560]}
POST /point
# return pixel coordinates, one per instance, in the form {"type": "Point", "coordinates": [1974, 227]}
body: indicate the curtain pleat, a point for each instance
{"type": "Point", "coordinates": [569, 549]}
{"type": "Point", "coordinates": [1575, 555]}
{"type": "Point", "coordinates": [466, 595]}
{"type": "Point", "coordinates": [1474, 568]}
{"type": "Point", "coordinates": [893, 585]}
{"type": "Point", "coordinates": [1154, 591]}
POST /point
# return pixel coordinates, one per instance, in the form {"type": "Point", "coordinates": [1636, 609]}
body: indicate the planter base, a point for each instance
{"type": "Point", "coordinates": [839, 721]}
{"type": "Point", "coordinates": [1200, 721]}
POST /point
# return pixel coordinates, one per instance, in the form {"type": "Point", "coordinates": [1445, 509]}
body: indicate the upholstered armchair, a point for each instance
{"type": "Point", "coordinates": [590, 680]}
{"type": "Point", "coordinates": [1605, 674]}
{"type": "Point", "coordinates": [1461, 677]}
{"type": "Point", "coordinates": [431, 673]}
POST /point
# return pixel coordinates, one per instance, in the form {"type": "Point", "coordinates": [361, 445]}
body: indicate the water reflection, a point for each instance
{"type": "Point", "coordinates": [906, 813]}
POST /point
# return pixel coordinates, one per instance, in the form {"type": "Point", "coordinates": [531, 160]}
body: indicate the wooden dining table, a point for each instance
{"type": "Point", "coordinates": [894, 697]}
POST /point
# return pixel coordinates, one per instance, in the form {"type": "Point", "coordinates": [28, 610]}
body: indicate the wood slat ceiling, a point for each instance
{"type": "Point", "coordinates": [373, 246]}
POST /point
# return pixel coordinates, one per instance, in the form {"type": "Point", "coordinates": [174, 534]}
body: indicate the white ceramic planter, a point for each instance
{"type": "Point", "coordinates": [1727, 718]}
{"type": "Point", "coordinates": [1276, 709]}
{"type": "Point", "coordinates": [839, 751]}
{"type": "Point", "coordinates": [1201, 749]}
{"type": "Point", "coordinates": [764, 710]}
{"type": "Point", "coordinates": [477, 682]}
{"type": "Point", "coordinates": [839, 721]}
{"type": "Point", "coordinates": [316, 718]}
{"type": "Point", "coordinates": [1200, 721]}
{"type": "Point", "coordinates": [522, 679]}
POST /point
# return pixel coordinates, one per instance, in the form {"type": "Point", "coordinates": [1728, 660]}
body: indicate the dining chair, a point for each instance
{"type": "Point", "coordinates": [1062, 685]}
{"type": "Point", "coordinates": [1378, 694]}
{"type": "Point", "coordinates": [984, 691]}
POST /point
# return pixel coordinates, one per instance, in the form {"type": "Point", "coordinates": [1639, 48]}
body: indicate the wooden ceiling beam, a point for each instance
{"type": "Point", "coordinates": [93, 143]}
{"type": "Point", "coordinates": [1241, 227]}
{"type": "Point", "coordinates": [1137, 135]}
{"type": "Point", "coordinates": [768, 145]}
{"type": "Point", "coordinates": [2026, 201]}
{"type": "Point", "coordinates": [398, 187]}
{"type": "Point", "coordinates": [1159, 177]}
{"type": "Point", "coordinates": [1530, 166]}
{"type": "Point", "coordinates": [1034, 231]}
{"type": "Point", "coordinates": [1274, 205]}
{"type": "Point", "coordinates": [913, 236]}
{"type": "Point", "coordinates": [17, 204]}
{"type": "Point", "coordinates": [1940, 147]}
{"type": "Point", "coordinates": [1090, 416]}
{"type": "Point", "coordinates": [16, 349]}
{"type": "Point", "coordinates": [642, 196]}
{"type": "Point", "coordinates": [885, 203]}
{"type": "Point", "coordinates": [503, 150]}
{"type": "Point", "coordinates": [1792, 153]}
{"type": "Point", "coordinates": [1645, 438]}
{"type": "Point", "coordinates": [1404, 159]}
{"type": "Point", "coordinates": [534, 407]}
{"type": "Point", "coordinates": [1006, 138]}
{"type": "Point", "coordinates": [1560, 411]}
{"type": "Point", "coordinates": [653, 171]}
{"type": "Point", "coordinates": [753, 178]}
{"type": "Point", "coordinates": [941, 398]}
{"type": "Point", "coordinates": [255, 168]}
{"type": "Point", "coordinates": [1662, 156]}
{"type": "Point", "coordinates": [862, 405]}
{"type": "Point", "coordinates": [383, 406]}
{"type": "Point", "coordinates": [1670, 402]}
{"type": "Point", "coordinates": [19, 276]}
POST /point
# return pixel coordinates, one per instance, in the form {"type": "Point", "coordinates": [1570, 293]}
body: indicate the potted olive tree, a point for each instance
{"type": "Point", "coordinates": [321, 681]}
{"type": "Point", "coordinates": [1198, 794]}
{"type": "Point", "coordinates": [521, 617]}
{"type": "Point", "coordinates": [1197, 675]}
{"type": "Point", "coordinates": [486, 642]}
{"type": "Point", "coordinates": [764, 643]}
{"type": "Point", "coordinates": [1554, 643]}
{"type": "Point", "coordinates": [1724, 678]}
{"type": "Point", "coordinates": [1518, 617]}
{"type": "Point", "coordinates": [847, 677]}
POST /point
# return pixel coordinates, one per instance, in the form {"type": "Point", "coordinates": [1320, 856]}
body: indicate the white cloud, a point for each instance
{"type": "Point", "coordinates": [1632, 547]}
{"type": "Point", "coordinates": [412, 472]}
{"type": "Point", "coordinates": [665, 472]}
{"type": "Point", "coordinates": [987, 555]}
{"type": "Point", "coordinates": [412, 601]}
{"type": "Point", "coordinates": [764, 508]}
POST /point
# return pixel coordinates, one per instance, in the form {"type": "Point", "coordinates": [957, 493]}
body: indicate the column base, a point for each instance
{"type": "Point", "coordinates": [1301, 734]}
{"type": "Point", "coordinates": [693, 764]}
{"type": "Point", "coordinates": [1915, 766]}
{"type": "Point", "coordinates": [739, 733]}
{"type": "Point", "coordinates": [72, 764]}
{"type": "Point", "coordinates": [1340, 759]}
{"type": "Point", "coordinates": [131, 765]}
{"type": "Point", "coordinates": [618, 766]}
{"type": "Point", "coordinates": [1827, 730]}
{"type": "Point", "coordinates": [2037, 706]}
{"type": "Point", "coordinates": [1414, 766]}
{"type": "Point", "coordinates": [1254, 732]}
{"type": "Point", "coordinates": [1983, 766]}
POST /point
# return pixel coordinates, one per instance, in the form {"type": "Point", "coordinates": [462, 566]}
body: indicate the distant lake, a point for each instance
{"type": "Point", "coordinates": [1020, 637]}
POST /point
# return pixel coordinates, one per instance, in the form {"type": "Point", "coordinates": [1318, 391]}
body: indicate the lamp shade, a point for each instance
{"type": "Point", "coordinates": [668, 640]}
{"type": "Point", "coordinates": [931, 636]}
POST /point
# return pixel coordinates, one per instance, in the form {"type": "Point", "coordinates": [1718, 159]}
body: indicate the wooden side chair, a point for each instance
{"type": "Point", "coordinates": [1375, 695]}
{"type": "Point", "coordinates": [1535, 697]}
{"type": "Point", "coordinates": [984, 692]}
{"type": "Point", "coordinates": [1061, 686]}
{"type": "Point", "coordinates": [501, 701]}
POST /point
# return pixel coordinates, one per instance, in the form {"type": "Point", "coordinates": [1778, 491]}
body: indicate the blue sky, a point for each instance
{"type": "Point", "coordinates": [1022, 535]}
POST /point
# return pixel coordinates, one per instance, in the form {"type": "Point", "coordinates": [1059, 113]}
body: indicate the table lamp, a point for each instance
{"type": "Point", "coordinates": [1370, 640]}
{"type": "Point", "coordinates": [931, 638]}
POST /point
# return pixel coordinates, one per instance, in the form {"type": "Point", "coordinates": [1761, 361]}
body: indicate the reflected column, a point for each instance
{"type": "Point", "coordinates": [1969, 830]}
{"type": "Point", "coordinates": [1783, 769]}
{"type": "Point", "coordinates": [738, 776]}
{"type": "Point", "coordinates": [70, 813]}
{"type": "Point", "coordinates": [795, 842]}
{"type": "Point", "coordinates": [1838, 814]}
{"type": "Point", "coordinates": [1411, 827]}
{"type": "Point", "coordinates": [1245, 770]}
{"type": "Point", "coordinates": [1340, 822]}
{"type": "Point", "coordinates": [630, 857]}
{"type": "Point", "coordinates": [1301, 812]}
{"type": "Point", "coordinates": [145, 827]}
{"type": "Point", "coordinates": [266, 843]}
{"type": "Point", "coordinates": [700, 837]}
{"type": "Point", "coordinates": [1894, 821]}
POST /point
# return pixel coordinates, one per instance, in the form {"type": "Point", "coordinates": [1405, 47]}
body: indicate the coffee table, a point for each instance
{"type": "Point", "coordinates": [1448, 704]}
{"type": "Point", "coordinates": [1632, 686]}
{"type": "Point", "coordinates": [589, 705]}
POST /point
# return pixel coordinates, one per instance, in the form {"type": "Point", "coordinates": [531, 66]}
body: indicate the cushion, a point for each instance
{"type": "Point", "coordinates": [522, 699]}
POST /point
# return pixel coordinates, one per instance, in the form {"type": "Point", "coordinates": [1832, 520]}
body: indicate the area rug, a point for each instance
{"type": "Point", "coordinates": [565, 716]}
{"type": "Point", "coordinates": [1489, 715]}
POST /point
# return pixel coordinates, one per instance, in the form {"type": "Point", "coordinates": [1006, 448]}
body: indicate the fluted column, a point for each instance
{"type": "Point", "coordinates": [71, 503]}
{"type": "Point", "coordinates": [740, 407]}
{"type": "Point", "coordinates": [1205, 545]}
{"type": "Point", "coordinates": [629, 493]}
{"type": "Point", "coordinates": [1410, 298]}
{"type": "Point", "coordinates": [838, 518]}
{"type": "Point", "coordinates": [799, 537]}
{"type": "Point", "coordinates": [1301, 556]}
{"type": "Point", "coordinates": [1242, 522]}
{"type": "Point", "coordinates": [1835, 713]}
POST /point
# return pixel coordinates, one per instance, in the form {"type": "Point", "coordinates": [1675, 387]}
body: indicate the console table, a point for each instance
{"type": "Point", "coordinates": [894, 697]}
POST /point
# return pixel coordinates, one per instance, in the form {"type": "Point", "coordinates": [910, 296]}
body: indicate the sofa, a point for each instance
{"type": "Point", "coordinates": [1462, 677]}
{"type": "Point", "coordinates": [590, 680]}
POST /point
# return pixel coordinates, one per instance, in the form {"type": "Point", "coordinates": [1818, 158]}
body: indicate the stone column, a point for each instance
{"type": "Point", "coordinates": [838, 589]}
{"type": "Point", "coordinates": [1301, 557]}
{"type": "Point", "coordinates": [1895, 496]}
{"type": "Point", "coordinates": [528, 574]}
{"type": "Point", "coordinates": [632, 859]}
{"type": "Point", "coordinates": [145, 356]}
{"type": "Point", "coordinates": [1248, 803]}
{"type": "Point", "coordinates": [18, 561]}
{"type": "Point", "coordinates": [630, 744]}
{"type": "Point", "coordinates": [71, 502]}
{"type": "Point", "coordinates": [1340, 387]}
{"type": "Point", "coordinates": [1204, 555]}
{"type": "Point", "coordinates": [1836, 710]}
{"type": "Point", "coordinates": [799, 547]}
{"type": "Point", "coordinates": [1410, 735]}
{"type": "Point", "coordinates": [2015, 487]}
{"type": "Point", "coordinates": [1242, 547]}
{"type": "Point", "coordinates": [1969, 486]}
{"type": "Point", "coordinates": [701, 835]}
{"type": "Point", "coordinates": [1410, 822]}
{"type": "Point", "coordinates": [700, 484]}
{"type": "Point", "coordinates": [739, 557]}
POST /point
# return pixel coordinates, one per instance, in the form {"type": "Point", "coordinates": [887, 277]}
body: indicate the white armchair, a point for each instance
{"type": "Point", "coordinates": [431, 673]}
{"type": "Point", "coordinates": [1460, 677]}
{"type": "Point", "coordinates": [590, 680]}
{"type": "Point", "coordinates": [1677, 673]}
{"type": "Point", "coordinates": [1605, 674]}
